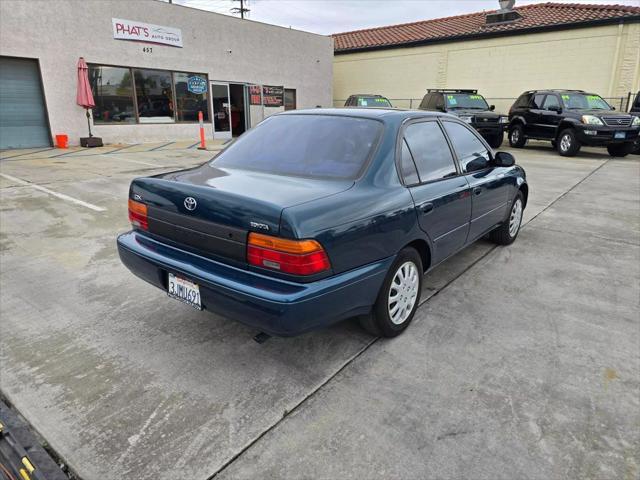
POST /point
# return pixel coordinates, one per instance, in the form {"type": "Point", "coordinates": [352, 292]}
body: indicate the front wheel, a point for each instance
{"type": "Point", "coordinates": [620, 150]}
{"type": "Point", "coordinates": [506, 233]}
{"type": "Point", "coordinates": [517, 138]}
{"type": "Point", "coordinates": [398, 298]}
{"type": "Point", "coordinates": [495, 141]}
{"type": "Point", "coordinates": [568, 144]}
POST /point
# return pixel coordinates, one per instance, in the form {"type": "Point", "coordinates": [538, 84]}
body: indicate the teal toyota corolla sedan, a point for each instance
{"type": "Point", "coordinates": [316, 216]}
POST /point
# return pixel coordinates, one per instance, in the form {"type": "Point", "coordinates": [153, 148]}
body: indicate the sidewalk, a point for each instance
{"type": "Point", "coordinates": [53, 152]}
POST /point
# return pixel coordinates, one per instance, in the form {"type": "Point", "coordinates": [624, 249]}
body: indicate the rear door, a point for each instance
{"type": "Point", "coordinates": [441, 196]}
{"type": "Point", "coordinates": [550, 116]}
{"type": "Point", "coordinates": [489, 186]}
{"type": "Point", "coordinates": [535, 117]}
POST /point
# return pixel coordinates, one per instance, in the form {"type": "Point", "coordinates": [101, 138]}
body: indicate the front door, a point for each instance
{"type": "Point", "coordinates": [489, 187]}
{"type": "Point", "coordinates": [550, 117]}
{"type": "Point", "coordinates": [221, 110]}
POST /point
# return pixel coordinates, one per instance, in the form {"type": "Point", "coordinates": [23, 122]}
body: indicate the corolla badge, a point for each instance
{"type": "Point", "coordinates": [190, 203]}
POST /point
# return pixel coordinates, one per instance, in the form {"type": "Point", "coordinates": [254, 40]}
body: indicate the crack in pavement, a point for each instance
{"type": "Point", "coordinates": [375, 340]}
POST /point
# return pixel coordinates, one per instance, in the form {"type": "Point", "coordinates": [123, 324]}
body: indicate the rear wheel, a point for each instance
{"type": "Point", "coordinates": [398, 298]}
{"type": "Point", "coordinates": [495, 141]}
{"type": "Point", "coordinates": [517, 138]}
{"type": "Point", "coordinates": [620, 150]}
{"type": "Point", "coordinates": [568, 144]}
{"type": "Point", "coordinates": [507, 233]}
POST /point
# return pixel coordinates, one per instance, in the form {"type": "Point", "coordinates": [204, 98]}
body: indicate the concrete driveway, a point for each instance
{"type": "Point", "coordinates": [523, 362]}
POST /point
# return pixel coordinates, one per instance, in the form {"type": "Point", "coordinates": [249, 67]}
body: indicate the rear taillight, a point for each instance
{"type": "Point", "coordinates": [298, 257]}
{"type": "Point", "coordinates": [138, 215]}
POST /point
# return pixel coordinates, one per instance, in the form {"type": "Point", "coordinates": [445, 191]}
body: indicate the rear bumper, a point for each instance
{"type": "Point", "coordinates": [274, 306]}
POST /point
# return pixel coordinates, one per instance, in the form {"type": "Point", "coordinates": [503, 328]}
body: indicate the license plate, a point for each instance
{"type": "Point", "coordinates": [184, 290]}
{"type": "Point", "coordinates": [619, 135]}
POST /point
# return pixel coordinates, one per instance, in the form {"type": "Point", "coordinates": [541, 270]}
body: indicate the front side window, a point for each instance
{"type": "Point", "coordinates": [584, 101]}
{"type": "Point", "coordinates": [467, 101]}
{"type": "Point", "coordinates": [112, 89]}
{"type": "Point", "coordinates": [154, 96]}
{"type": "Point", "coordinates": [430, 151]}
{"type": "Point", "coordinates": [472, 154]}
{"type": "Point", "coordinates": [551, 102]}
{"type": "Point", "coordinates": [314, 146]}
{"type": "Point", "coordinates": [191, 96]}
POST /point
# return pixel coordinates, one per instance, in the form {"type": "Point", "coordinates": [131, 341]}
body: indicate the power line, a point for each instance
{"type": "Point", "coordinates": [241, 9]}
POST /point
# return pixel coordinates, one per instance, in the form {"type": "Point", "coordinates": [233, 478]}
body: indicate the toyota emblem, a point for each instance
{"type": "Point", "coordinates": [190, 203]}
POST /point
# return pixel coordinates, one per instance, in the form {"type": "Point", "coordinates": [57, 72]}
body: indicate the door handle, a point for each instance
{"type": "Point", "coordinates": [426, 207]}
{"type": "Point", "coordinates": [477, 190]}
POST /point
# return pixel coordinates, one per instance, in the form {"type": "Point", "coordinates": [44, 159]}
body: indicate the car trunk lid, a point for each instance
{"type": "Point", "coordinates": [211, 210]}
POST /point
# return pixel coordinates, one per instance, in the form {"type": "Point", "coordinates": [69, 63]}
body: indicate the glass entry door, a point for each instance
{"type": "Point", "coordinates": [221, 110]}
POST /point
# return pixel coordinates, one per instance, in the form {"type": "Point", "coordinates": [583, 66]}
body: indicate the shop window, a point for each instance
{"type": "Point", "coordinates": [191, 96]}
{"type": "Point", "coordinates": [113, 94]}
{"type": "Point", "coordinates": [289, 99]}
{"type": "Point", "coordinates": [154, 96]}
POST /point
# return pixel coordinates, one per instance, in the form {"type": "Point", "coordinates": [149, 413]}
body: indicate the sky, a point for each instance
{"type": "Point", "coordinates": [333, 16]}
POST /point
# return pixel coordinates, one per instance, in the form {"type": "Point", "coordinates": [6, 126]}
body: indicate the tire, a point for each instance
{"type": "Point", "coordinates": [620, 150]}
{"type": "Point", "coordinates": [507, 233]}
{"type": "Point", "coordinates": [517, 138]}
{"type": "Point", "coordinates": [567, 143]}
{"type": "Point", "coordinates": [380, 321]}
{"type": "Point", "coordinates": [495, 141]}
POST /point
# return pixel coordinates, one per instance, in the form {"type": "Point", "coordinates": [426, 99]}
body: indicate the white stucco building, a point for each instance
{"type": "Point", "coordinates": [153, 67]}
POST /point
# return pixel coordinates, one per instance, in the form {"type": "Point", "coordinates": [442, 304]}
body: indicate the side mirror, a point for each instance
{"type": "Point", "coordinates": [612, 107]}
{"type": "Point", "coordinates": [492, 107]}
{"type": "Point", "coordinates": [504, 159]}
{"type": "Point", "coordinates": [556, 109]}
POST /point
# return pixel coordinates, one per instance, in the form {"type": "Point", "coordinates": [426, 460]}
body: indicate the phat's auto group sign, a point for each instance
{"type": "Point", "coordinates": [146, 32]}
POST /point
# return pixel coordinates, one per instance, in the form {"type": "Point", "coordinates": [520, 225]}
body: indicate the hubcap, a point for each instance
{"type": "Point", "coordinates": [515, 218]}
{"type": "Point", "coordinates": [403, 292]}
{"type": "Point", "coordinates": [565, 143]}
{"type": "Point", "coordinates": [515, 136]}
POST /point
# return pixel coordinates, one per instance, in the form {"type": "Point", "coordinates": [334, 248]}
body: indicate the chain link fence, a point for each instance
{"type": "Point", "coordinates": [502, 104]}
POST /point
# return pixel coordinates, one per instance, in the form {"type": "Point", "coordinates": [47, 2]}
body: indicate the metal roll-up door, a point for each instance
{"type": "Point", "coordinates": [23, 119]}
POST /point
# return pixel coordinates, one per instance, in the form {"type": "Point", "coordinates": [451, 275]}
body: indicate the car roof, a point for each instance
{"type": "Point", "coordinates": [371, 112]}
{"type": "Point", "coordinates": [367, 95]}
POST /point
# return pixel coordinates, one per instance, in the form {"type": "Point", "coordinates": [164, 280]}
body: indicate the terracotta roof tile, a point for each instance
{"type": "Point", "coordinates": [473, 24]}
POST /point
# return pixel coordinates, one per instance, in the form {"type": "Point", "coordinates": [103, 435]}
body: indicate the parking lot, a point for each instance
{"type": "Point", "coordinates": [522, 361]}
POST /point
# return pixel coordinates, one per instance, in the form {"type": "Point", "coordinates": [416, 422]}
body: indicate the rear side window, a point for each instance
{"type": "Point", "coordinates": [407, 166]}
{"type": "Point", "coordinates": [537, 101]}
{"type": "Point", "coordinates": [472, 154]}
{"type": "Point", "coordinates": [315, 146]}
{"type": "Point", "coordinates": [430, 151]}
{"type": "Point", "coordinates": [426, 102]}
{"type": "Point", "coordinates": [523, 100]}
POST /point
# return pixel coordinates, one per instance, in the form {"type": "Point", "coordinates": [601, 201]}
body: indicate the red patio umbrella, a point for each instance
{"type": "Point", "coordinates": [84, 97]}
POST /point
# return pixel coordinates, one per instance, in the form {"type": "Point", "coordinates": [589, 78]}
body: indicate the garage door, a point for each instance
{"type": "Point", "coordinates": [23, 120]}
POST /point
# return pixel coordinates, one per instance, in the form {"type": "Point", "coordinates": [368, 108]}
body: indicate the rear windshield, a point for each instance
{"type": "Point", "coordinates": [372, 102]}
{"type": "Point", "coordinates": [583, 101]}
{"type": "Point", "coordinates": [466, 101]}
{"type": "Point", "coordinates": [316, 146]}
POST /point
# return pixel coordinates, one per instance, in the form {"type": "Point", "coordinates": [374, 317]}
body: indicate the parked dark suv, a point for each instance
{"type": "Point", "coordinates": [635, 110]}
{"type": "Point", "coordinates": [471, 108]}
{"type": "Point", "coordinates": [570, 119]}
{"type": "Point", "coordinates": [367, 100]}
